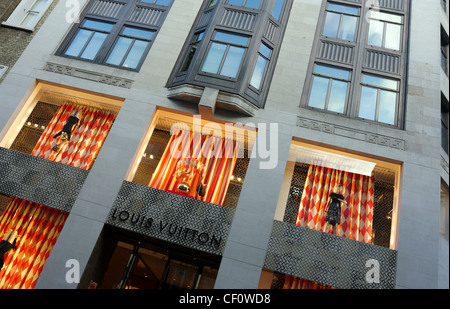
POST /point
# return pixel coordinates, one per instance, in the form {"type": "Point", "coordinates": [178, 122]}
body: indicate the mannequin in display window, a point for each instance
{"type": "Point", "coordinates": [64, 136]}
{"type": "Point", "coordinates": [334, 210]}
{"type": "Point", "coordinates": [7, 243]}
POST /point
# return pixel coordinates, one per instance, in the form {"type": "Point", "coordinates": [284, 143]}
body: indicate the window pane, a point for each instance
{"type": "Point", "coordinates": [393, 36]}
{"type": "Point", "coordinates": [329, 71]}
{"type": "Point", "coordinates": [338, 96]}
{"type": "Point", "coordinates": [380, 82]}
{"type": "Point", "coordinates": [331, 26]}
{"type": "Point", "coordinates": [375, 33]}
{"type": "Point", "coordinates": [29, 20]}
{"type": "Point", "coordinates": [163, 2]}
{"type": "Point", "coordinates": [119, 51]}
{"type": "Point", "coordinates": [78, 42]}
{"type": "Point", "coordinates": [232, 61]}
{"type": "Point", "coordinates": [214, 58]}
{"type": "Point", "coordinates": [277, 9]}
{"type": "Point", "coordinates": [368, 103]}
{"type": "Point", "coordinates": [138, 33]}
{"type": "Point", "coordinates": [135, 54]}
{"type": "Point", "coordinates": [236, 2]}
{"type": "Point", "coordinates": [265, 51]}
{"type": "Point", "coordinates": [253, 4]}
{"type": "Point", "coordinates": [231, 38]}
{"type": "Point", "coordinates": [387, 107]}
{"type": "Point", "coordinates": [348, 28]}
{"type": "Point", "coordinates": [96, 25]}
{"type": "Point", "coordinates": [343, 9]}
{"type": "Point", "coordinates": [385, 16]}
{"type": "Point", "coordinates": [94, 45]}
{"type": "Point", "coordinates": [319, 92]}
{"type": "Point", "coordinates": [259, 72]}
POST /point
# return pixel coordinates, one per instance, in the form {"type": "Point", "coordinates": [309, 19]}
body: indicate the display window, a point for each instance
{"type": "Point", "coordinates": [28, 233]}
{"type": "Point", "coordinates": [62, 125]}
{"type": "Point", "coordinates": [274, 280]}
{"type": "Point", "coordinates": [346, 194]}
{"type": "Point", "coordinates": [186, 155]}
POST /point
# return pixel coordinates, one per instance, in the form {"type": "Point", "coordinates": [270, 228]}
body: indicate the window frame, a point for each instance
{"type": "Point", "coordinates": [119, 24]}
{"type": "Point", "coordinates": [224, 57]}
{"type": "Point", "coordinates": [383, 39]}
{"type": "Point", "coordinates": [358, 18]}
{"type": "Point", "coordinates": [21, 12]}
{"type": "Point", "coordinates": [330, 82]}
{"type": "Point", "coordinates": [379, 89]}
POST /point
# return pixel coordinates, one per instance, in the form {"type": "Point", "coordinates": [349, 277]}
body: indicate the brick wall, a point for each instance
{"type": "Point", "coordinates": [14, 41]}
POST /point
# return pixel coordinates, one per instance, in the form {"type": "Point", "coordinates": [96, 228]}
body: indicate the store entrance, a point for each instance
{"type": "Point", "coordinates": [149, 267]}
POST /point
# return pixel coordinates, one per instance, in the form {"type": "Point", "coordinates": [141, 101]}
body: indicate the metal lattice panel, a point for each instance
{"type": "Point", "coordinates": [328, 259]}
{"type": "Point", "coordinates": [39, 180]}
{"type": "Point", "coordinates": [174, 218]}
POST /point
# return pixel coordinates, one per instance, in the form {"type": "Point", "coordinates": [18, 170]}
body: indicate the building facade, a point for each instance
{"type": "Point", "coordinates": [227, 144]}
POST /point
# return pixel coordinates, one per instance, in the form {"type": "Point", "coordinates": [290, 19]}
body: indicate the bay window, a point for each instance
{"type": "Point", "coordinates": [261, 66]}
{"type": "Point", "coordinates": [225, 54]}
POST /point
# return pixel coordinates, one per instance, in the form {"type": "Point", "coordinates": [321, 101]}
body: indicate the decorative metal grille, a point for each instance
{"type": "Point", "coordinates": [39, 180]}
{"type": "Point", "coordinates": [171, 217]}
{"type": "Point", "coordinates": [328, 259]}
{"type": "Point", "coordinates": [383, 202]}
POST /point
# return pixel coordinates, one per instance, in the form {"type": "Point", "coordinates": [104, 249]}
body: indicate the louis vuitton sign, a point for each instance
{"type": "Point", "coordinates": [170, 217]}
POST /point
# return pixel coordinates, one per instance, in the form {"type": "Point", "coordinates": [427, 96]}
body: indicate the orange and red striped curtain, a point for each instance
{"type": "Point", "coordinates": [218, 156]}
{"type": "Point", "coordinates": [86, 140]}
{"type": "Point", "coordinates": [39, 228]}
{"type": "Point", "coordinates": [294, 283]}
{"type": "Point", "coordinates": [356, 215]}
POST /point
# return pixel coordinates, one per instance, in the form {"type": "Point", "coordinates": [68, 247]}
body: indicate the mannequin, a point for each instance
{"type": "Point", "coordinates": [66, 133]}
{"type": "Point", "coordinates": [334, 210]}
{"type": "Point", "coordinates": [7, 243]}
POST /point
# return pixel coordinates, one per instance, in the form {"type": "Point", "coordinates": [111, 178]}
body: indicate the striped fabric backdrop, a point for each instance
{"type": "Point", "coordinates": [39, 228]}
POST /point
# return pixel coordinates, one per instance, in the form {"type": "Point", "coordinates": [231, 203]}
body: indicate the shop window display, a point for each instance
{"type": "Point", "coordinates": [334, 192]}
{"type": "Point", "coordinates": [192, 162]}
{"type": "Point", "coordinates": [70, 133]}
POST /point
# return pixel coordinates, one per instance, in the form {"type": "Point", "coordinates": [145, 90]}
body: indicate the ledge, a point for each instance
{"type": "Point", "coordinates": [225, 100]}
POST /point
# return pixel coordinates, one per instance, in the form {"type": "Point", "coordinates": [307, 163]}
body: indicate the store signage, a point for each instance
{"type": "Point", "coordinates": [165, 228]}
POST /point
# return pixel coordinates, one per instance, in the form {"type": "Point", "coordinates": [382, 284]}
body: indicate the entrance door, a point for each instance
{"type": "Point", "coordinates": [134, 267]}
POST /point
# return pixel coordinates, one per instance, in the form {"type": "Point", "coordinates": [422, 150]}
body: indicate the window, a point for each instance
{"type": "Point", "coordinates": [444, 51]}
{"type": "Point", "coordinates": [3, 69]}
{"type": "Point", "coordinates": [444, 124]}
{"type": "Point", "coordinates": [385, 30]}
{"type": "Point", "coordinates": [119, 35]}
{"type": "Point", "coordinates": [27, 14]}
{"type": "Point", "coordinates": [192, 50]}
{"type": "Point", "coordinates": [159, 2]}
{"type": "Point", "coordinates": [379, 99]}
{"type": "Point", "coordinates": [253, 4]}
{"type": "Point", "coordinates": [89, 39]}
{"type": "Point", "coordinates": [261, 66]}
{"type": "Point", "coordinates": [225, 54]}
{"type": "Point", "coordinates": [444, 226]}
{"type": "Point", "coordinates": [277, 9]}
{"type": "Point", "coordinates": [329, 89]}
{"type": "Point", "coordinates": [130, 47]}
{"type": "Point", "coordinates": [341, 22]}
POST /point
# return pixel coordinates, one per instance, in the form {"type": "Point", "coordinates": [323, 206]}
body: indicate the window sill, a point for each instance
{"type": "Point", "coordinates": [225, 100]}
{"type": "Point", "coordinates": [18, 27]}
